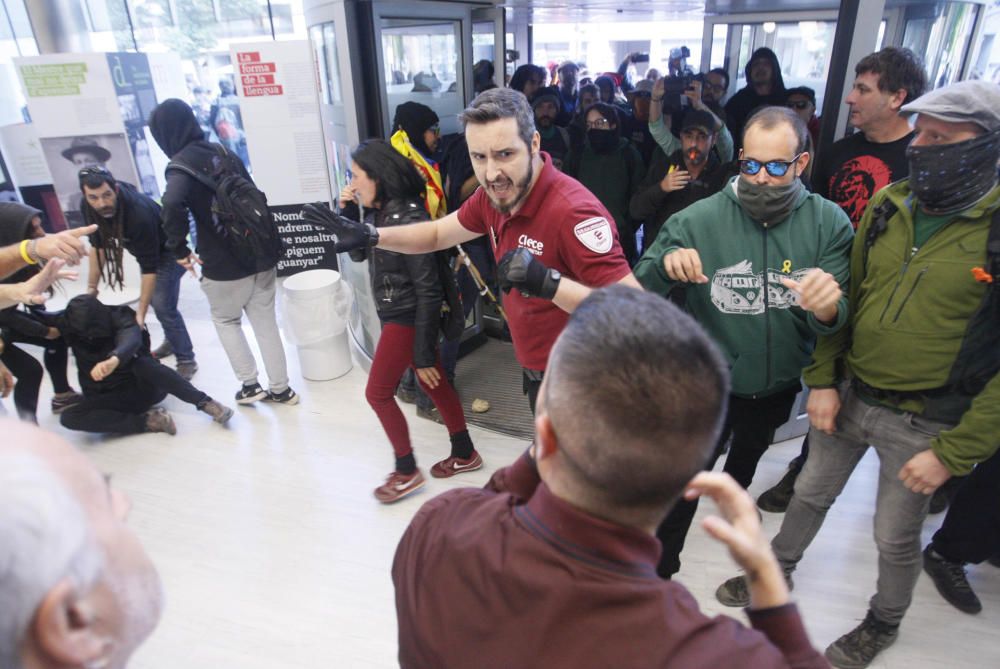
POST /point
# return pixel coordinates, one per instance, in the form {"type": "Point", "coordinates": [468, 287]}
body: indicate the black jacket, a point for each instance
{"type": "Point", "coordinates": [144, 238]}
{"type": "Point", "coordinates": [746, 100]}
{"type": "Point", "coordinates": [176, 130]}
{"type": "Point", "coordinates": [15, 227]}
{"type": "Point", "coordinates": [95, 332]}
{"type": "Point", "coordinates": [406, 287]}
{"type": "Point", "coordinates": [653, 206]}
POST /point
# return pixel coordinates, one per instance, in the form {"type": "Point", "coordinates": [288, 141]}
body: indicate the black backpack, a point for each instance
{"type": "Point", "coordinates": [240, 214]}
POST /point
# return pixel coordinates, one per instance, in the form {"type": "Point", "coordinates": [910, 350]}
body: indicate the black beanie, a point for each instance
{"type": "Point", "coordinates": [414, 118]}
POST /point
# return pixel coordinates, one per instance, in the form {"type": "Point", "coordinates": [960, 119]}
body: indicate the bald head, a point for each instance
{"type": "Point", "coordinates": [76, 587]}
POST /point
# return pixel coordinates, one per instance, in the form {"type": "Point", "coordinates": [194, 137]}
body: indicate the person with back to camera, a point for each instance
{"type": "Point", "coordinates": [408, 294]}
{"type": "Point", "coordinates": [559, 569]}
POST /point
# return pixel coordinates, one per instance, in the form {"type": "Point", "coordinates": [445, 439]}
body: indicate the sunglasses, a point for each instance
{"type": "Point", "coordinates": [801, 104]}
{"type": "Point", "coordinates": [89, 172]}
{"type": "Point", "coordinates": [776, 168]}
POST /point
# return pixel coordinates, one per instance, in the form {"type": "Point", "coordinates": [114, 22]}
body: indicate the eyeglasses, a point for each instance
{"type": "Point", "coordinates": [599, 124]}
{"type": "Point", "coordinates": [436, 129]}
{"type": "Point", "coordinates": [776, 168]}
{"type": "Point", "coordinates": [800, 104]}
{"type": "Point", "coordinates": [715, 87]}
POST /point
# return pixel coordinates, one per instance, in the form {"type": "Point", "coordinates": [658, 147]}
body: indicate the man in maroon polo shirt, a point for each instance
{"type": "Point", "coordinates": [562, 572]}
{"type": "Point", "coordinates": [551, 237]}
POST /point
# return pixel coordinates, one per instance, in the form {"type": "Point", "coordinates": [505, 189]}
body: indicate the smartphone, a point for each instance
{"type": "Point", "coordinates": [641, 58]}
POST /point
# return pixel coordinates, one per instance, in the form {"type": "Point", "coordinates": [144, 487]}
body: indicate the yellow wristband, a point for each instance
{"type": "Point", "coordinates": [24, 253]}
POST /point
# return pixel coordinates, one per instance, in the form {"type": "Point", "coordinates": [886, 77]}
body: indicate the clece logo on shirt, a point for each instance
{"type": "Point", "coordinates": [533, 245]}
{"type": "Point", "coordinates": [595, 234]}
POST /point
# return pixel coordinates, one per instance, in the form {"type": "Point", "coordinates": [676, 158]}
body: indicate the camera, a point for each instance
{"type": "Point", "coordinates": [640, 58]}
{"type": "Point", "coordinates": [674, 88]}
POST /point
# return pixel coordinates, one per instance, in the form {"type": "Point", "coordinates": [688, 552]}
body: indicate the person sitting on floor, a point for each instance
{"type": "Point", "coordinates": [120, 378]}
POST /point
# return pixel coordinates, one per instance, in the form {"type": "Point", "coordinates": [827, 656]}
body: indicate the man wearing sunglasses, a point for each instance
{"type": "Point", "coordinates": [761, 264]}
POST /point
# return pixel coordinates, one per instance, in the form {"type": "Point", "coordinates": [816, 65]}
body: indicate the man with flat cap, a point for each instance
{"type": "Point", "coordinates": [915, 373]}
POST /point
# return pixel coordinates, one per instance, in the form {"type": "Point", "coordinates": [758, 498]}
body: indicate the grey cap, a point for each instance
{"type": "Point", "coordinates": [966, 101]}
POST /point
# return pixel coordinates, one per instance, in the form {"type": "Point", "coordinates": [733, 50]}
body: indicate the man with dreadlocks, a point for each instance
{"type": "Point", "coordinates": [128, 220]}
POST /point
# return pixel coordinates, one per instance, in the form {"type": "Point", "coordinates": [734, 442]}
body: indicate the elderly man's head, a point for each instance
{"type": "Point", "coordinates": [596, 445]}
{"type": "Point", "coordinates": [953, 158]}
{"type": "Point", "coordinates": [76, 587]}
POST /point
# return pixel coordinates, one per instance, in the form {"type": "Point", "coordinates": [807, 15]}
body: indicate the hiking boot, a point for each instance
{"type": "Point", "coordinates": [287, 396]}
{"type": "Point", "coordinates": [164, 350]}
{"type": "Point", "coordinates": [857, 648]}
{"type": "Point", "coordinates": [249, 394]}
{"type": "Point", "coordinates": [63, 401]}
{"type": "Point", "coordinates": [736, 591]}
{"type": "Point", "coordinates": [949, 579]}
{"type": "Point", "coordinates": [776, 499]}
{"type": "Point", "coordinates": [397, 486]}
{"type": "Point", "coordinates": [220, 413]}
{"type": "Point", "coordinates": [451, 466]}
{"type": "Point", "coordinates": [430, 414]}
{"type": "Point", "coordinates": [186, 370]}
{"type": "Point", "coordinates": [158, 420]}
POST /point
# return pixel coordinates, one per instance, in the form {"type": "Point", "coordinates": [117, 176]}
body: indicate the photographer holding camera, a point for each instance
{"type": "Point", "coordinates": [668, 107]}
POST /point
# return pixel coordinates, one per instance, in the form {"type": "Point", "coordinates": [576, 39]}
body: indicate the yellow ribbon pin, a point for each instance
{"type": "Point", "coordinates": [786, 267]}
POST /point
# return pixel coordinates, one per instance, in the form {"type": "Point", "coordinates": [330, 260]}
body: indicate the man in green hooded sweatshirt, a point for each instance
{"type": "Point", "coordinates": [761, 263]}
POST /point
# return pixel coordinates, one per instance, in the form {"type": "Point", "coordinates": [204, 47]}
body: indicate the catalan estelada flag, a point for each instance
{"type": "Point", "coordinates": [434, 200]}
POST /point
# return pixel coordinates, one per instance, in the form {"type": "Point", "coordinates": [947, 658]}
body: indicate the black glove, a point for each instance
{"type": "Point", "coordinates": [350, 234]}
{"type": "Point", "coordinates": [520, 269]}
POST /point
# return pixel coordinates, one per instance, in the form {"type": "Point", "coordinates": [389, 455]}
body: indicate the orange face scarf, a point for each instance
{"type": "Point", "coordinates": [434, 199]}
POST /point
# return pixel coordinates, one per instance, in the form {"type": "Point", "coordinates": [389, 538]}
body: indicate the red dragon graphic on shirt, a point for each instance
{"type": "Point", "coordinates": [855, 182]}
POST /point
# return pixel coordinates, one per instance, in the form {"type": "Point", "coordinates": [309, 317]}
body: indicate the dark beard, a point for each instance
{"type": "Point", "coordinates": [521, 186]}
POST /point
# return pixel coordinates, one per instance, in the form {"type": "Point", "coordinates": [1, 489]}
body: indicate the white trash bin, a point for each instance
{"type": "Point", "coordinates": [316, 305]}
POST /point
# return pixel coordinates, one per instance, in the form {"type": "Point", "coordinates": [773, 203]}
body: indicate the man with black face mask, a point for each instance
{"type": "Point", "coordinates": [915, 373]}
{"type": "Point", "coordinates": [761, 264]}
{"type": "Point", "coordinates": [611, 168]}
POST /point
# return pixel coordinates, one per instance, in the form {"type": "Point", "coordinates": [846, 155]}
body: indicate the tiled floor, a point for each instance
{"type": "Point", "coordinates": [274, 553]}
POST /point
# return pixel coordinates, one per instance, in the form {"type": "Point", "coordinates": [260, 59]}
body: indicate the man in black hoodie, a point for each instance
{"type": "Point", "coordinates": [764, 87]}
{"type": "Point", "coordinates": [121, 380]}
{"type": "Point", "coordinates": [231, 287]}
{"type": "Point", "coordinates": [128, 220]}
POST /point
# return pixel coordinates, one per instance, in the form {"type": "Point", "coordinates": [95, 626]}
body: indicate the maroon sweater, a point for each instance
{"type": "Point", "coordinates": [484, 579]}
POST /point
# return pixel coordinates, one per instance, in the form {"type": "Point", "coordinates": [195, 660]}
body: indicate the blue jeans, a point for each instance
{"type": "Point", "coordinates": [168, 289]}
{"type": "Point", "coordinates": [899, 512]}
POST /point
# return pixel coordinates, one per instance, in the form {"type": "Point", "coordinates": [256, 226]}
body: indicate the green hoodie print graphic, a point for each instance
{"type": "Point", "coordinates": [737, 290]}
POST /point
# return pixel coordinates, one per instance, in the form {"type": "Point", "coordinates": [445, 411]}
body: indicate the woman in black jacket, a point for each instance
{"type": "Point", "coordinates": [19, 222]}
{"type": "Point", "coordinates": [408, 295]}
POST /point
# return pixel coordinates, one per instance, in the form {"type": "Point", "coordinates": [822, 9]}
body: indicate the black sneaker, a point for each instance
{"type": "Point", "coordinates": [949, 579]}
{"type": "Point", "coordinates": [776, 499]}
{"type": "Point", "coordinates": [736, 592]}
{"type": "Point", "coordinates": [250, 393]}
{"type": "Point", "coordinates": [288, 396]}
{"type": "Point", "coordinates": [857, 648]}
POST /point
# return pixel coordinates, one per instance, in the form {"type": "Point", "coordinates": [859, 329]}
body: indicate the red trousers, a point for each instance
{"type": "Point", "coordinates": [393, 355]}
